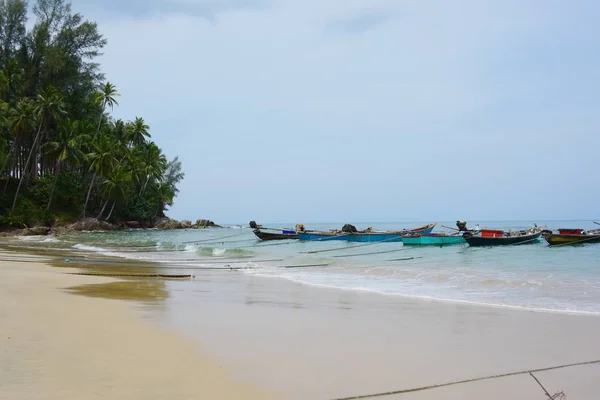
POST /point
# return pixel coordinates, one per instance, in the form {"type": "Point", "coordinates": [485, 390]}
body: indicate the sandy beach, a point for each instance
{"type": "Point", "coordinates": [319, 343]}
{"type": "Point", "coordinates": [233, 335]}
{"type": "Point", "coordinates": [55, 345]}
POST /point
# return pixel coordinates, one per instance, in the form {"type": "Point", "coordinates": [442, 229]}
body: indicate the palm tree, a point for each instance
{"type": "Point", "coordinates": [48, 105]}
{"type": "Point", "coordinates": [67, 148]}
{"type": "Point", "coordinates": [154, 164]}
{"type": "Point", "coordinates": [101, 161]}
{"type": "Point", "coordinates": [138, 131]}
{"type": "Point", "coordinates": [106, 97]}
{"type": "Point", "coordinates": [21, 122]}
{"type": "Point", "coordinates": [115, 187]}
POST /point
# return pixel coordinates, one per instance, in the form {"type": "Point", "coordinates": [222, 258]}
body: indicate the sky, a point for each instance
{"type": "Point", "coordinates": [364, 110]}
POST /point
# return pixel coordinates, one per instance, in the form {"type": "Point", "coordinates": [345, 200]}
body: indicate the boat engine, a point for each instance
{"type": "Point", "coordinates": [349, 228]}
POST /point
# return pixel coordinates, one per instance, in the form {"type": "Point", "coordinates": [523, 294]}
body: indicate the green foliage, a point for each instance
{"type": "Point", "coordinates": [61, 153]}
{"type": "Point", "coordinates": [142, 209]}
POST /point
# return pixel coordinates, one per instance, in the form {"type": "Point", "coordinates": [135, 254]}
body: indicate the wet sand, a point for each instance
{"type": "Point", "coordinates": [57, 345]}
{"type": "Point", "coordinates": [320, 343]}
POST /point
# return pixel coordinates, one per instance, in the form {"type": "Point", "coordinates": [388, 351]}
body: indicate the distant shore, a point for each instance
{"type": "Point", "coordinates": [58, 346]}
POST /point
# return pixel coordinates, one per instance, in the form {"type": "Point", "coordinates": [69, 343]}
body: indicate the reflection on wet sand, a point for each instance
{"type": "Point", "coordinates": [147, 290]}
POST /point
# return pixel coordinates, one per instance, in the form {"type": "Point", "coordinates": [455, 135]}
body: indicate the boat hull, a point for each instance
{"type": "Point", "coordinates": [375, 237]}
{"type": "Point", "coordinates": [475, 240]}
{"type": "Point", "coordinates": [554, 239]}
{"type": "Point", "coordinates": [388, 236]}
{"type": "Point", "coordinates": [432, 240]}
{"type": "Point", "coordinates": [262, 235]}
{"type": "Point", "coordinates": [321, 236]}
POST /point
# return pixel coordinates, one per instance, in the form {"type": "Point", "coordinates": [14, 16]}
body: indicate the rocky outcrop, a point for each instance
{"type": "Point", "coordinates": [186, 224]}
{"type": "Point", "coordinates": [205, 223]}
{"type": "Point", "coordinates": [91, 224]}
{"type": "Point", "coordinates": [167, 223]}
{"type": "Point", "coordinates": [36, 231]}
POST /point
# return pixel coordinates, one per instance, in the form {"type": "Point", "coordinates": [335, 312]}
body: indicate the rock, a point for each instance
{"type": "Point", "coordinates": [167, 223]}
{"type": "Point", "coordinates": [91, 224]}
{"type": "Point", "coordinates": [205, 223]}
{"type": "Point", "coordinates": [132, 224]}
{"type": "Point", "coordinates": [186, 224]}
{"type": "Point", "coordinates": [36, 231]}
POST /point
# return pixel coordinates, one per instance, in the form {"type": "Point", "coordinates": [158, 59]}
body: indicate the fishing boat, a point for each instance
{"type": "Point", "coordinates": [498, 237]}
{"type": "Point", "coordinates": [387, 236]}
{"type": "Point", "coordinates": [322, 235]}
{"type": "Point", "coordinates": [277, 234]}
{"type": "Point", "coordinates": [571, 236]}
{"type": "Point", "coordinates": [434, 239]}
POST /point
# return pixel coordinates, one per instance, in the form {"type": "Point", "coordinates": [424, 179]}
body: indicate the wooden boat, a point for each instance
{"type": "Point", "coordinates": [284, 234]}
{"type": "Point", "coordinates": [322, 235]}
{"type": "Point", "coordinates": [387, 236]}
{"type": "Point", "coordinates": [497, 237]}
{"type": "Point", "coordinates": [434, 239]}
{"type": "Point", "coordinates": [571, 236]}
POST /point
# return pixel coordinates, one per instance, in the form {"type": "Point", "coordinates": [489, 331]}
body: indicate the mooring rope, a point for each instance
{"type": "Point", "coordinates": [217, 239]}
{"type": "Point", "coordinates": [376, 252]}
{"type": "Point", "coordinates": [403, 391]}
{"type": "Point", "coordinates": [350, 247]}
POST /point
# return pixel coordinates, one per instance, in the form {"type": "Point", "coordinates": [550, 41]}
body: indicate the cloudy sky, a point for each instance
{"type": "Point", "coordinates": [365, 110]}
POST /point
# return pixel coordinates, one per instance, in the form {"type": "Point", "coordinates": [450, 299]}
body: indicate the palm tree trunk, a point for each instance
{"type": "Point", "coordinates": [57, 170]}
{"type": "Point", "coordinates": [88, 194]}
{"type": "Point", "coordinates": [111, 210]}
{"type": "Point", "coordinates": [103, 207]}
{"type": "Point", "coordinates": [144, 186]}
{"type": "Point", "coordinates": [25, 169]}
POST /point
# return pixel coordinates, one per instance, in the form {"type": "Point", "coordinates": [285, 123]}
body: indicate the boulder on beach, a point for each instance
{"type": "Point", "coordinates": [91, 224]}
{"type": "Point", "coordinates": [167, 223]}
{"type": "Point", "coordinates": [186, 224]}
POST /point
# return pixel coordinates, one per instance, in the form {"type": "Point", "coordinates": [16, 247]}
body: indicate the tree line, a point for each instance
{"type": "Point", "coordinates": [62, 155]}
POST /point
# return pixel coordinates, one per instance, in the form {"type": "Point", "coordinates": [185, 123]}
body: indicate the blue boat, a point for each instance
{"type": "Point", "coordinates": [432, 239]}
{"type": "Point", "coordinates": [389, 236]}
{"type": "Point", "coordinates": [317, 236]}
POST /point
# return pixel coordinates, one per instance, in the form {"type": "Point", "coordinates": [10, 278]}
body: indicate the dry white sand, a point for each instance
{"type": "Point", "coordinates": [55, 345]}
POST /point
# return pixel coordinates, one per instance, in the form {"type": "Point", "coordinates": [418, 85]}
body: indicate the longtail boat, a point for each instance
{"type": "Point", "coordinates": [283, 234]}
{"type": "Point", "coordinates": [571, 236]}
{"type": "Point", "coordinates": [433, 239]}
{"type": "Point", "coordinates": [498, 237]}
{"type": "Point", "coordinates": [387, 236]}
{"type": "Point", "coordinates": [322, 235]}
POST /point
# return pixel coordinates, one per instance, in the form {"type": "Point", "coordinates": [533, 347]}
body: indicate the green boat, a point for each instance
{"type": "Point", "coordinates": [431, 239]}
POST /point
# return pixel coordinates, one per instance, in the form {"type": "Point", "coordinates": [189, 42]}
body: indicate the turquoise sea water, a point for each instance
{"type": "Point", "coordinates": [531, 276]}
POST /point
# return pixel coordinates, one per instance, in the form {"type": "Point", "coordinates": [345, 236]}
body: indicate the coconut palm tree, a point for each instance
{"type": "Point", "coordinates": [101, 162]}
{"type": "Point", "coordinates": [21, 122]}
{"type": "Point", "coordinates": [106, 96]}
{"type": "Point", "coordinates": [48, 105]}
{"type": "Point", "coordinates": [67, 148]}
{"type": "Point", "coordinates": [115, 187]}
{"type": "Point", "coordinates": [153, 165]}
{"type": "Point", "coordinates": [138, 131]}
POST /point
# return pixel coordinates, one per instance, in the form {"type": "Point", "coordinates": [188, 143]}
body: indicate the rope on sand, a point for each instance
{"type": "Point", "coordinates": [132, 275]}
{"type": "Point", "coordinates": [367, 396]}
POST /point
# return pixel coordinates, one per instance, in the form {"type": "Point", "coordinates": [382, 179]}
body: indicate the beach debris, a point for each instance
{"type": "Point", "coordinates": [556, 396]}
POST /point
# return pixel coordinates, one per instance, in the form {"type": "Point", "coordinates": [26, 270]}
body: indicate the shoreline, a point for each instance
{"type": "Point", "coordinates": [76, 347]}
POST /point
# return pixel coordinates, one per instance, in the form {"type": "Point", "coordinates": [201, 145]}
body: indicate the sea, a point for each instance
{"type": "Point", "coordinates": [534, 276]}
